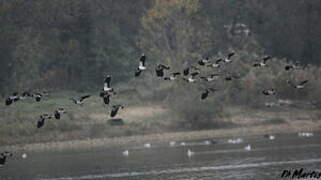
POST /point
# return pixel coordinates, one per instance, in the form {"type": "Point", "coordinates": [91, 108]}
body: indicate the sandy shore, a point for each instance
{"type": "Point", "coordinates": [290, 127]}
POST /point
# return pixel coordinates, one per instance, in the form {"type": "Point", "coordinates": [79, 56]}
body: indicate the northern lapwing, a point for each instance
{"type": "Point", "coordinates": [107, 86]}
{"type": "Point", "coordinates": [142, 66]}
{"type": "Point", "coordinates": [289, 67]}
{"type": "Point", "coordinates": [263, 62]}
{"type": "Point", "coordinates": [80, 100]}
{"type": "Point", "coordinates": [42, 119]}
{"type": "Point", "coordinates": [13, 98]}
{"type": "Point", "coordinates": [115, 109]}
{"type": "Point", "coordinates": [300, 85]}
{"type": "Point", "coordinates": [160, 70]}
{"type": "Point", "coordinates": [228, 58]}
{"type": "Point", "coordinates": [191, 77]}
{"type": "Point", "coordinates": [59, 112]}
{"type": "Point", "coordinates": [203, 61]}
{"type": "Point", "coordinates": [216, 64]}
{"type": "Point", "coordinates": [173, 76]}
{"type": "Point", "coordinates": [3, 157]}
{"type": "Point", "coordinates": [206, 92]}
{"type": "Point", "coordinates": [269, 92]}
{"type": "Point", "coordinates": [211, 77]}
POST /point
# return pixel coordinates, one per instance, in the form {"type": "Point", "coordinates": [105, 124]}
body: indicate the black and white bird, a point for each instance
{"type": "Point", "coordinates": [42, 119]}
{"type": "Point", "coordinates": [289, 67]}
{"type": "Point", "coordinates": [211, 77]}
{"type": "Point", "coordinates": [115, 109]}
{"type": "Point", "coordinates": [299, 85]}
{"type": "Point", "coordinates": [107, 87]}
{"type": "Point", "coordinates": [216, 64]}
{"type": "Point", "coordinates": [3, 157]}
{"type": "Point", "coordinates": [106, 98]}
{"type": "Point", "coordinates": [206, 92]}
{"type": "Point", "coordinates": [263, 62]}
{"type": "Point", "coordinates": [269, 92]}
{"type": "Point", "coordinates": [187, 70]}
{"type": "Point", "coordinates": [37, 96]}
{"type": "Point", "coordinates": [230, 77]}
{"type": "Point", "coordinates": [13, 98]}
{"type": "Point", "coordinates": [160, 70]}
{"type": "Point", "coordinates": [142, 66]}
{"type": "Point", "coordinates": [203, 61]}
{"type": "Point", "coordinates": [173, 76]}
{"type": "Point", "coordinates": [191, 77]}
{"type": "Point", "coordinates": [228, 58]}
{"type": "Point", "coordinates": [59, 112]}
{"type": "Point", "coordinates": [80, 100]}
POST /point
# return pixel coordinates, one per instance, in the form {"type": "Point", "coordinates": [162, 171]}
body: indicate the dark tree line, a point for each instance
{"type": "Point", "coordinates": [72, 44]}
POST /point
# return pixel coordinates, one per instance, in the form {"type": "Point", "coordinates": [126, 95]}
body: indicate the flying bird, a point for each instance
{"type": "Point", "coordinates": [115, 109]}
{"type": "Point", "coordinates": [230, 77]}
{"type": "Point", "coordinates": [203, 61]}
{"type": "Point", "coordinates": [289, 67]}
{"type": "Point", "coordinates": [141, 66]}
{"type": "Point", "coordinates": [3, 157]}
{"type": "Point", "coordinates": [59, 112]}
{"type": "Point", "coordinates": [186, 71]}
{"type": "Point", "coordinates": [106, 98]}
{"type": "Point", "coordinates": [160, 70]}
{"type": "Point", "coordinates": [299, 85]}
{"type": "Point", "coordinates": [42, 119]}
{"type": "Point", "coordinates": [107, 87]}
{"type": "Point", "coordinates": [269, 92]}
{"type": "Point", "coordinates": [206, 92]}
{"type": "Point", "coordinates": [228, 58]}
{"type": "Point", "coordinates": [11, 99]}
{"type": "Point", "coordinates": [173, 76]}
{"type": "Point", "coordinates": [80, 100]}
{"type": "Point", "coordinates": [216, 64]}
{"type": "Point", "coordinates": [191, 78]}
{"type": "Point", "coordinates": [210, 78]}
{"type": "Point", "coordinates": [263, 62]}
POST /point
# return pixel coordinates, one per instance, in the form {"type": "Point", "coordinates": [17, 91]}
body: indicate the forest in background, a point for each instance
{"type": "Point", "coordinates": [67, 47]}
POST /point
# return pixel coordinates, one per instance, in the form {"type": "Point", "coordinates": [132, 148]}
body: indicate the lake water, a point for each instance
{"type": "Point", "coordinates": [222, 161]}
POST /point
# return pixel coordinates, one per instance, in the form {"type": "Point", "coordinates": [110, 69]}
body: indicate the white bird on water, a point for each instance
{"type": "Point", "coordinates": [125, 153]}
{"type": "Point", "coordinates": [147, 145]}
{"type": "Point", "coordinates": [172, 143]}
{"type": "Point", "coordinates": [248, 147]}
{"type": "Point", "coordinates": [24, 156]}
{"type": "Point", "coordinates": [190, 153]}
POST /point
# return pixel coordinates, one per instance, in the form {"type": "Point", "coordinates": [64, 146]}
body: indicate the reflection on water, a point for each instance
{"type": "Point", "coordinates": [222, 161]}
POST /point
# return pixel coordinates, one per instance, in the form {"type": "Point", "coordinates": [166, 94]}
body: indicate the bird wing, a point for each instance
{"type": "Point", "coordinates": [230, 55]}
{"type": "Point", "coordinates": [142, 60]}
{"type": "Point", "coordinates": [83, 97]}
{"type": "Point", "coordinates": [218, 61]}
{"type": "Point", "coordinates": [266, 58]}
{"type": "Point", "coordinates": [303, 82]}
{"type": "Point", "coordinates": [108, 80]}
{"type": "Point", "coordinates": [194, 74]}
{"type": "Point", "coordinates": [186, 71]}
{"type": "Point", "coordinates": [176, 73]}
{"type": "Point", "coordinates": [137, 73]}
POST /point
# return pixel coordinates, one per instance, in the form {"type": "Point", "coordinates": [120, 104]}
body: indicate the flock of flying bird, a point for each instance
{"type": "Point", "coordinates": [189, 74]}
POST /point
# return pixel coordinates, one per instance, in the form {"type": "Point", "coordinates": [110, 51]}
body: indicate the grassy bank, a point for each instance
{"type": "Point", "coordinates": [87, 126]}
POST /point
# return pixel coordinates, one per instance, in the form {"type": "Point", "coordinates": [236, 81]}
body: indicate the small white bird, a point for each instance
{"type": "Point", "coordinates": [147, 145]}
{"type": "Point", "coordinates": [172, 143]}
{"type": "Point", "coordinates": [248, 148]}
{"type": "Point", "coordinates": [183, 144]}
{"type": "Point", "coordinates": [269, 136]}
{"type": "Point", "coordinates": [126, 153]}
{"type": "Point", "coordinates": [24, 156]}
{"type": "Point", "coordinates": [207, 142]}
{"type": "Point", "coordinates": [190, 153]}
